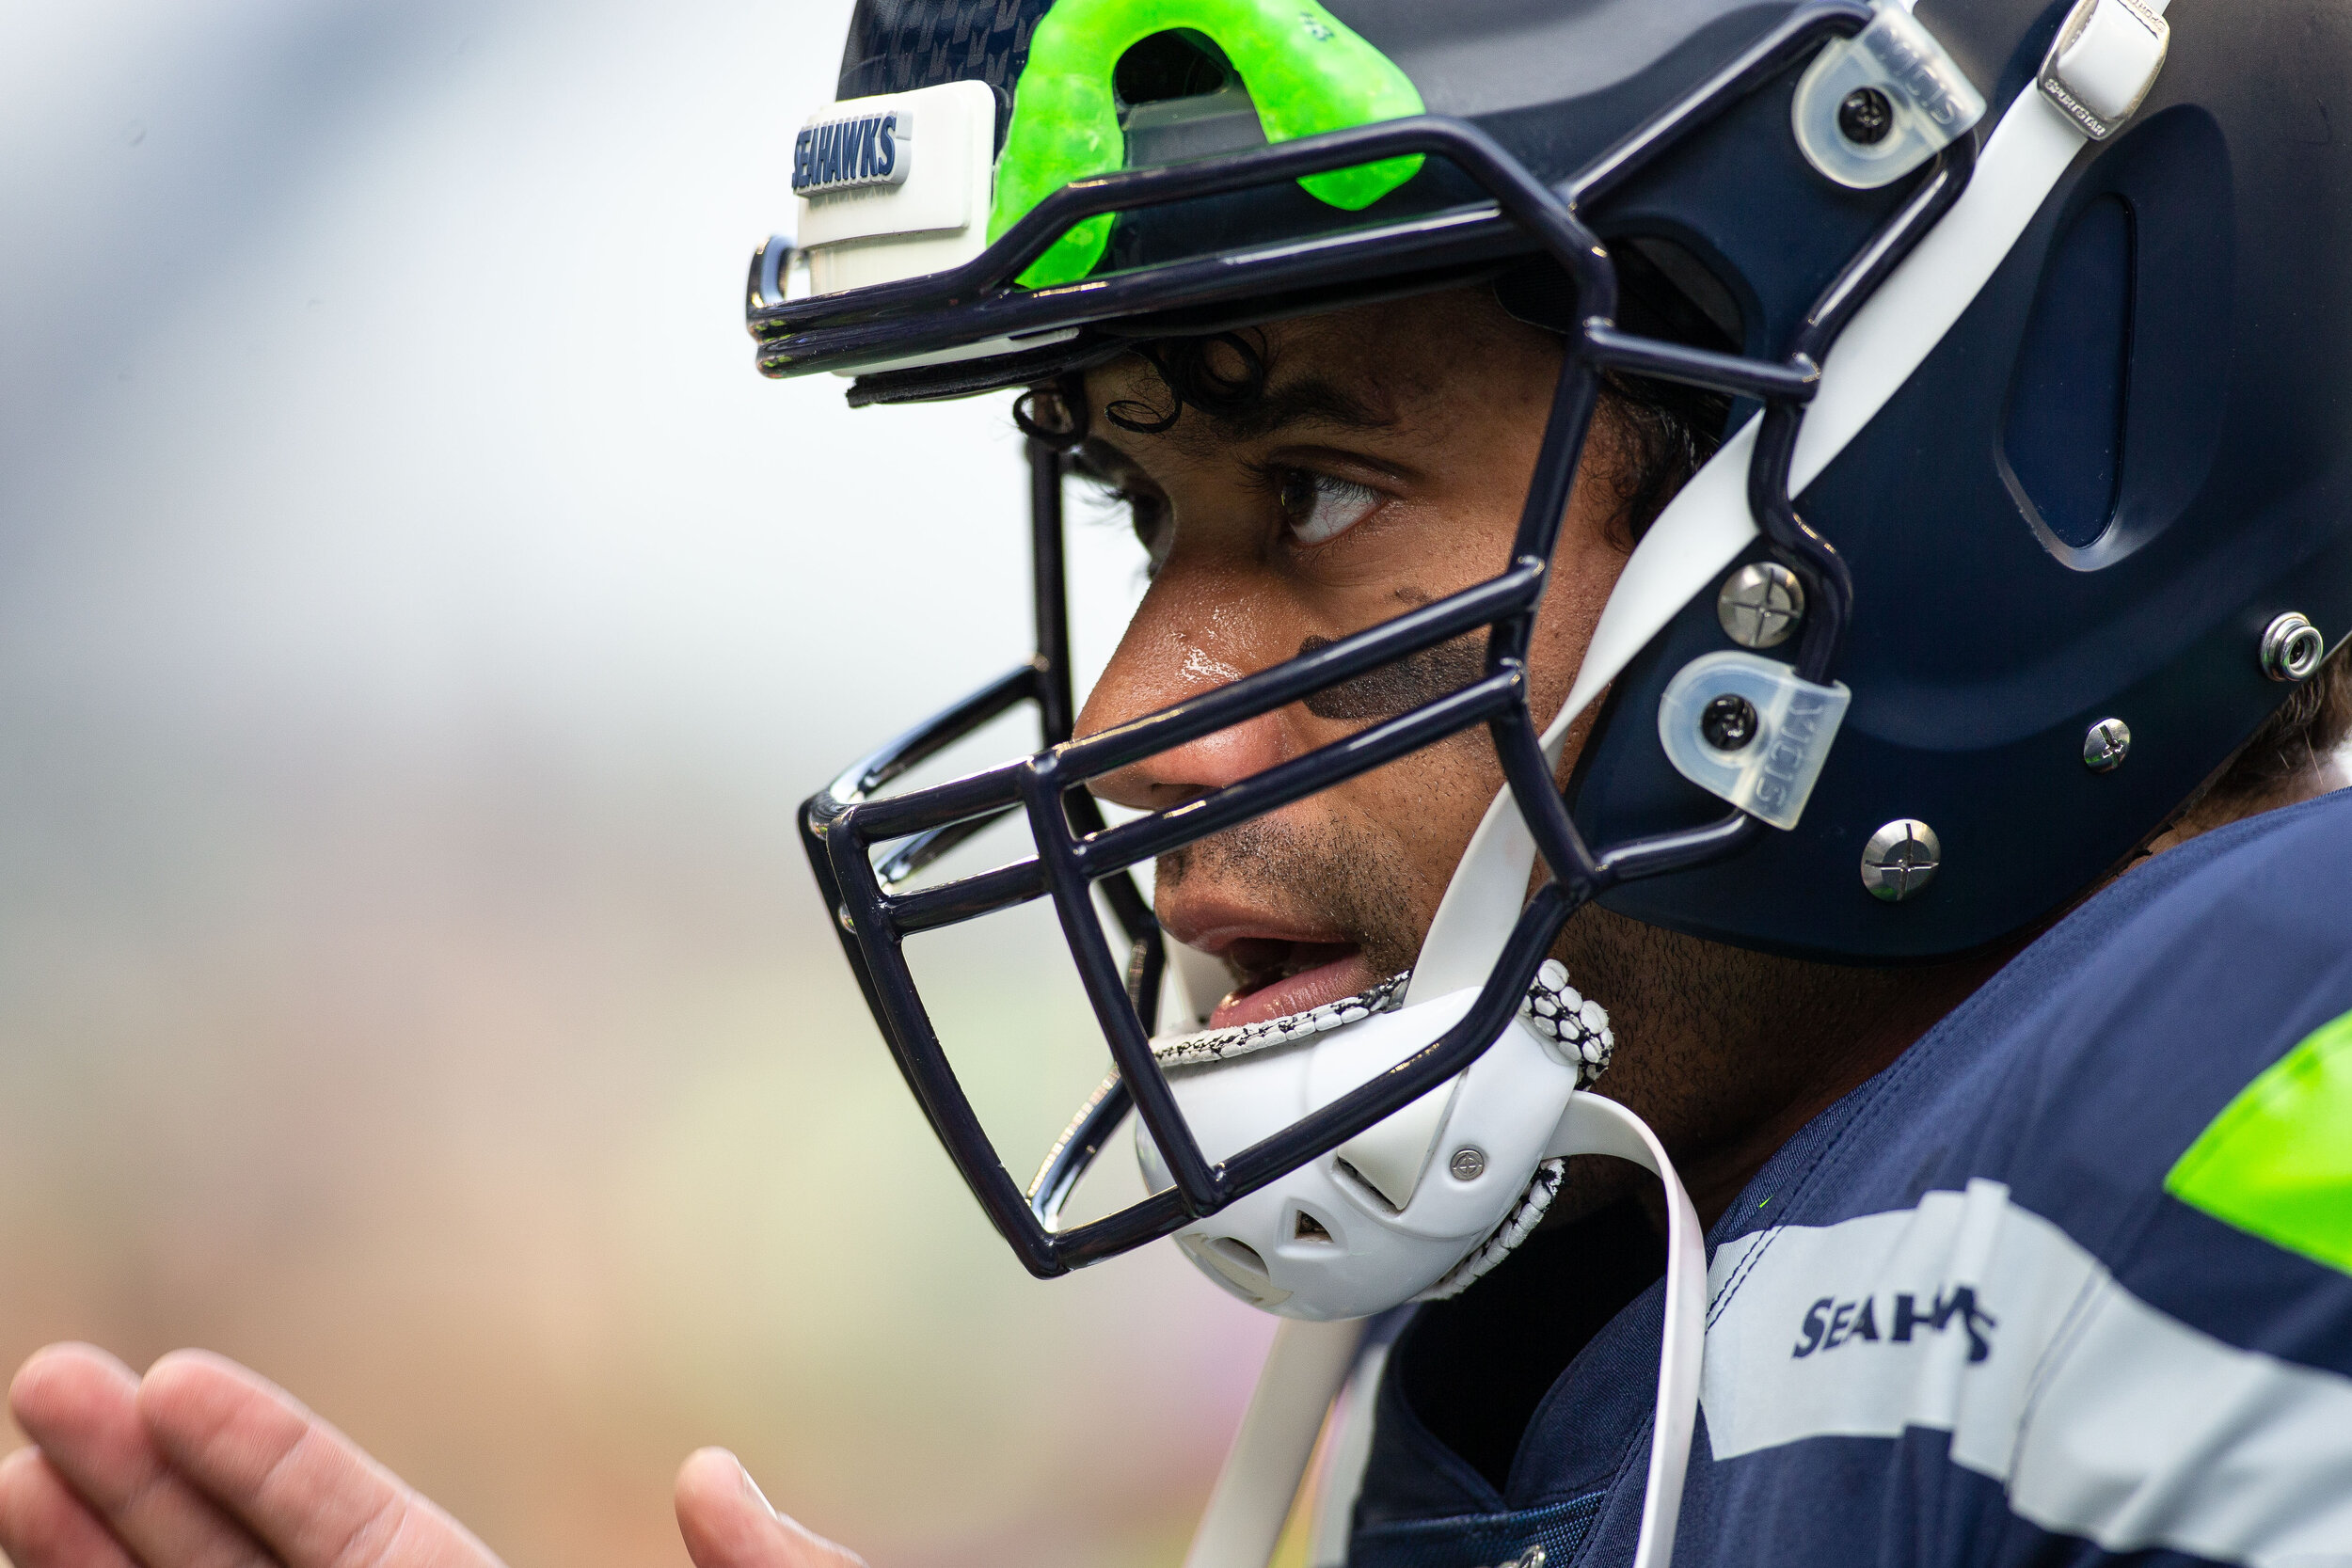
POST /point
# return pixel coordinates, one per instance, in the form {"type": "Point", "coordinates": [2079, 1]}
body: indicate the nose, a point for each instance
{"type": "Point", "coordinates": [1193, 632]}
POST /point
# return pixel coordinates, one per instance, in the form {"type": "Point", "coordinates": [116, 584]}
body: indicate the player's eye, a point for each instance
{"type": "Point", "coordinates": [1318, 508]}
{"type": "Point", "coordinates": [1145, 511]}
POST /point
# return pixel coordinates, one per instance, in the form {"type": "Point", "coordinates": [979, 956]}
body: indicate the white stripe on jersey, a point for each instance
{"type": "Point", "coordinates": [2102, 1417]}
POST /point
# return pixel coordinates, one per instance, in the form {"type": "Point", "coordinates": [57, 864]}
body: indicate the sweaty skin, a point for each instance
{"type": "Point", "coordinates": [1428, 415]}
{"type": "Point", "coordinates": [1385, 468]}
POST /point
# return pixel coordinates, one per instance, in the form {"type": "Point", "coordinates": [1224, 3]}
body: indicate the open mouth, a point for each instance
{"type": "Point", "coordinates": [1281, 977]}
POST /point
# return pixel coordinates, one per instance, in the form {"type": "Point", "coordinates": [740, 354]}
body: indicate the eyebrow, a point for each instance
{"type": "Point", "coordinates": [1309, 400]}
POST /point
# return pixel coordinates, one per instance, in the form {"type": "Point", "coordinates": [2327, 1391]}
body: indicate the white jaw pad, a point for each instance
{"type": "Point", "coordinates": [1708, 524]}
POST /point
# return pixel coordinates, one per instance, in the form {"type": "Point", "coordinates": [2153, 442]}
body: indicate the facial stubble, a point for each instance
{"type": "Point", "coordinates": [1360, 883]}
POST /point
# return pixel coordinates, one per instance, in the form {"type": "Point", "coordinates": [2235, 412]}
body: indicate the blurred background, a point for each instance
{"type": "Point", "coordinates": [417, 624]}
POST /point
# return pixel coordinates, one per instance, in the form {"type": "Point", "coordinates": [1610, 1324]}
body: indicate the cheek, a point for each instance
{"type": "Point", "coordinates": [1425, 808]}
{"type": "Point", "coordinates": [1428, 804]}
{"type": "Point", "coordinates": [1584, 571]}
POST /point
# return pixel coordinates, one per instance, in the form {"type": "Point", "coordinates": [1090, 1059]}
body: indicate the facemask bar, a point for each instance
{"type": "Point", "coordinates": [844, 825]}
{"type": "Point", "coordinates": [1044, 681]}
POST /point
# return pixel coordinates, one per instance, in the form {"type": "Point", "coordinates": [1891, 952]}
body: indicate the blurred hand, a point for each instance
{"type": "Point", "coordinates": [728, 1524]}
{"type": "Point", "coordinates": [205, 1465]}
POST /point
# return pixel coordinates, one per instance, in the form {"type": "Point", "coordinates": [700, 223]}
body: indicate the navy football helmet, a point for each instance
{"type": "Point", "coordinates": [2032, 504]}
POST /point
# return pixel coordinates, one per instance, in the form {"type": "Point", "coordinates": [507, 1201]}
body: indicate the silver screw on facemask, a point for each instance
{"type": "Point", "coordinates": [2291, 648]}
{"type": "Point", "coordinates": [1760, 605]}
{"type": "Point", "coordinates": [2109, 742]}
{"type": "Point", "coordinates": [1468, 1163]}
{"type": "Point", "coordinates": [1900, 859]}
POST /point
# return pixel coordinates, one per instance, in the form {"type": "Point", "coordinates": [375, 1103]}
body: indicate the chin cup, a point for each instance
{"type": "Point", "coordinates": [1308, 1363]}
{"type": "Point", "coordinates": [1390, 1213]}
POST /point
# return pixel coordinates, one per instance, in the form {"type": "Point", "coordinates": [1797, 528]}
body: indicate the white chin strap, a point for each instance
{"type": "Point", "coordinates": [1698, 535]}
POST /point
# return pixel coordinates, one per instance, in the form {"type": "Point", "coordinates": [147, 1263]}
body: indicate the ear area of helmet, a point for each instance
{"type": "Point", "coordinates": [1875, 107]}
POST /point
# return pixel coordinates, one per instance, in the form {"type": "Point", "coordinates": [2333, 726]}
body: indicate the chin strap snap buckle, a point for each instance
{"type": "Point", "coordinates": [2104, 62]}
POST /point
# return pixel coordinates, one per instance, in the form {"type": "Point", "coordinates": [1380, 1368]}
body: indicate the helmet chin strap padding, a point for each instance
{"type": "Point", "coordinates": [1331, 1239]}
{"type": "Point", "coordinates": [1431, 1199]}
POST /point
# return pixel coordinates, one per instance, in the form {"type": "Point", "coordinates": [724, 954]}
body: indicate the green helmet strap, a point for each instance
{"type": "Point", "coordinates": [1306, 72]}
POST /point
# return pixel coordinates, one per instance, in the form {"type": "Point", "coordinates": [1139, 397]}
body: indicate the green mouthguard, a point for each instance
{"type": "Point", "coordinates": [1306, 72]}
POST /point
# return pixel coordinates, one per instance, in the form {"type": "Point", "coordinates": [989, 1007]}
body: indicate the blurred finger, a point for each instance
{"type": "Point", "coordinates": [307, 1491]}
{"type": "Point", "coordinates": [43, 1525]}
{"type": "Point", "coordinates": [81, 1406]}
{"type": "Point", "coordinates": [727, 1523]}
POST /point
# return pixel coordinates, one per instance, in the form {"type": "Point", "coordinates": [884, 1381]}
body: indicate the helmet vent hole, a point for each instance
{"type": "Point", "coordinates": [1371, 1194]}
{"type": "Point", "coordinates": [1177, 64]}
{"type": "Point", "coordinates": [1241, 1255]}
{"type": "Point", "coordinates": [1237, 1265]}
{"type": "Point", "coordinates": [1306, 1228]}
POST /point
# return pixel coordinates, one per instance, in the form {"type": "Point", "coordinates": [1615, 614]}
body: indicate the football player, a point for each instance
{"type": "Point", "coordinates": [1733, 722]}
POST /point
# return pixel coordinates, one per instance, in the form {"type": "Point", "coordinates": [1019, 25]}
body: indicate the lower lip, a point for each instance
{"type": "Point", "coordinates": [1302, 992]}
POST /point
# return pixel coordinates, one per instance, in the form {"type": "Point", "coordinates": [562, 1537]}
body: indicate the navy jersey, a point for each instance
{"type": "Point", "coordinates": [2071, 1281]}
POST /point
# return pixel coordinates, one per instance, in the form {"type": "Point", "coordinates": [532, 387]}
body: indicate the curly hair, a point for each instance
{"type": "Point", "coordinates": [2294, 744]}
{"type": "Point", "coordinates": [1652, 434]}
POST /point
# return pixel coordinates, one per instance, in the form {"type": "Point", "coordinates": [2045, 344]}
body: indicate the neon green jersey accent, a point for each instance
{"type": "Point", "coordinates": [2276, 1162]}
{"type": "Point", "coordinates": [1306, 72]}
